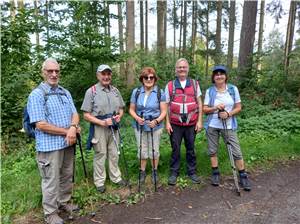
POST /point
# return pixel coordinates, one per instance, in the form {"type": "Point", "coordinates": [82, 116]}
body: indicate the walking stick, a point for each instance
{"type": "Point", "coordinates": [153, 160]}
{"type": "Point", "coordinates": [141, 132]}
{"type": "Point", "coordinates": [228, 145]}
{"type": "Point", "coordinates": [81, 153]}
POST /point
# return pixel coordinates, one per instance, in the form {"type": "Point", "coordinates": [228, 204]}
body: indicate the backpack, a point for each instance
{"type": "Point", "coordinates": [28, 127]}
{"type": "Point", "coordinates": [138, 92]}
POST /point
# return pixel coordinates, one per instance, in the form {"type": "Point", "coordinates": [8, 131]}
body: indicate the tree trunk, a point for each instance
{"type": "Point", "coordinates": [36, 14]}
{"type": "Point", "coordinates": [194, 30]}
{"type": "Point", "coordinates": [12, 10]}
{"type": "Point", "coordinates": [247, 38]}
{"type": "Point", "coordinates": [289, 35]}
{"type": "Point", "coordinates": [121, 39]}
{"type": "Point", "coordinates": [174, 29]}
{"type": "Point", "coordinates": [130, 73]}
{"type": "Point", "coordinates": [260, 34]}
{"type": "Point", "coordinates": [20, 4]}
{"type": "Point", "coordinates": [231, 34]}
{"type": "Point", "coordinates": [161, 47]}
{"type": "Point", "coordinates": [146, 26]}
{"type": "Point", "coordinates": [180, 29]}
{"type": "Point", "coordinates": [184, 29]}
{"type": "Point", "coordinates": [142, 25]}
{"type": "Point", "coordinates": [207, 41]}
{"type": "Point", "coordinates": [47, 26]}
{"type": "Point", "coordinates": [218, 33]}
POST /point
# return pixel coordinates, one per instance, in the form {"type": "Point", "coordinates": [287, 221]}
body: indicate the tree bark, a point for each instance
{"type": "Point", "coordinates": [146, 26]}
{"type": "Point", "coordinates": [130, 42]}
{"type": "Point", "coordinates": [161, 10]}
{"type": "Point", "coordinates": [180, 29]}
{"type": "Point", "coordinates": [207, 40]}
{"type": "Point", "coordinates": [231, 34]}
{"type": "Point", "coordinates": [142, 25]}
{"type": "Point", "coordinates": [194, 30]}
{"type": "Point", "coordinates": [36, 14]}
{"type": "Point", "coordinates": [20, 4]}
{"type": "Point", "coordinates": [12, 10]}
{"type": "Point", "coordinates": [247, 38]}
{"type": "Point", "coordinates": [121, 39]}
{"type": "Point", "coordinates": [174, 29]}
{"type": "Point", "coordinates": [289, 35]}
{"type": "Point", "coordinates": [218, 33]}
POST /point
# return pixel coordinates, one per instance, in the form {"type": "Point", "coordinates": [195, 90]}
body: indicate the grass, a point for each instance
{"type": "Point", "coordinates": [20, 184]}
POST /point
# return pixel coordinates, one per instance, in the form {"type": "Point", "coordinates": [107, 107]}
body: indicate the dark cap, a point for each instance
{"type": "Point", "coordinates": [220, 67]}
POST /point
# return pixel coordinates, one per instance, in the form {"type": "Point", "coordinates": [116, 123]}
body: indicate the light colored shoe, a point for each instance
{"type": "Point", "coordinates": [53, 219]}
{"type": "Point", "coordinates": [69, 207]}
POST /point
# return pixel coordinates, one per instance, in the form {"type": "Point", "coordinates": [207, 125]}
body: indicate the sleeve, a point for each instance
{"type": "Point", "coordinates": [132, 98]}
{"type": "Point", "coordinates": [167, 93]}
{"type": "Point", "coordinates": [206, 99]}
{"type": "Point", "coordinates": [121, 101]}
{"type": "Point", "coordinates": [199, 93]}
{"type": "Point", "coordinates": [162, 96]}
{"type": "Point", "coordinates": [237, 95]}
{"type": "Point", "coordinates": [87, 104]}
{"type": "Point", "coordinates": [73, 108]}
{"type": "Point", "coordinates": [36, 106]}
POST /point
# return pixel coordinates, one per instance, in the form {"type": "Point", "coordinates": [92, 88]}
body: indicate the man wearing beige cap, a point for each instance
{"type": "Point", "coordinates": [103, 108]}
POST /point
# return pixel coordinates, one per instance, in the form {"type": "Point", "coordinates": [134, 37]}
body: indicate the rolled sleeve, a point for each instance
{"type": "Point", "coordinates": [87, 103]}
{"type": "Point", "coordinates": [132, 98]}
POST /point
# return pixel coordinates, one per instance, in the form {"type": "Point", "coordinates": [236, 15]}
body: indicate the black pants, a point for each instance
{"type": "Point", "coordinates": [188, 134]}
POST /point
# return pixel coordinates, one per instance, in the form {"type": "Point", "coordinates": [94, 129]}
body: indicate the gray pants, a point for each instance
{"type": "Point", "coordinates": [213, 135]}
{"type": "Point", "coordinates": [56, 170]}
{"type": "Point", "coordinates": [104, 147]}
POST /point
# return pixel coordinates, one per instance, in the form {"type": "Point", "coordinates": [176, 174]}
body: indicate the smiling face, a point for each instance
{"type": "Point", "coordinates": [182, 69]}
{"type": "Point", "coordinates": [149, 80]}
{"type": "Point", "coordinates": [104, 77]}
{"type": "Point", "coordinates": [219, 77]}
{"type": "Point", "coordinates": [51, 73]}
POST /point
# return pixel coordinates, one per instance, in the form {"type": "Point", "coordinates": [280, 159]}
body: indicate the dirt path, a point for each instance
{"type": "Point", "coordinates": [275, 198]}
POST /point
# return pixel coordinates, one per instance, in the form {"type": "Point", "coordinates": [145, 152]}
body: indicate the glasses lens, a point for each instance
{"type": "Point", "coordinates": [50, 71]}
{"type": "Point", "coordinates": [149, 78]}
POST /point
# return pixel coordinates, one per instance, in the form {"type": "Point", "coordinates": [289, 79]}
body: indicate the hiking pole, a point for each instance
{"type": "Point", "coordinates": [228, 145]}
{"type": "Point", "coordinates": [141, 133]}
{"type": "Point", "coordinates": [153, 160]}
{"type": "Point", "coordinates": [73, 182]}
{"type": "Point", "coordinates": [81, 153]}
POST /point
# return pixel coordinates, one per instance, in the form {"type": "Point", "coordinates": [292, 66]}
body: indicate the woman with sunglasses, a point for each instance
{"type": "Point", "coordinates": [222, 103]}
{"type": "Point", "coordinates": [148, 108]}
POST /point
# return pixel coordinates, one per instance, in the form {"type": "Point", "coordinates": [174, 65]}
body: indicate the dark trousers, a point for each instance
{"type": "Point", "coordinates": [188, 134]}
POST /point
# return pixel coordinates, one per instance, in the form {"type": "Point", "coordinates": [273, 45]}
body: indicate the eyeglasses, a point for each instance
{"type": "Point", "coordinates": [181, 67]}
{"type": "Point", "coordinates": [148, 78]}
{"type": "Point", "coordinates": [50, 71]}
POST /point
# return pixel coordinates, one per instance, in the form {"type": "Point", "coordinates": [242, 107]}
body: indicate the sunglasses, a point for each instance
{"type": "Point", "coordinates": [148, 77]}
{"type": "Point", "coordinates": [50, 71]}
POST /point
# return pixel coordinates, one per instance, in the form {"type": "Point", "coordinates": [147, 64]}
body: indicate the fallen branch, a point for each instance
{"type": "Point", "coordinates": [153, 218]}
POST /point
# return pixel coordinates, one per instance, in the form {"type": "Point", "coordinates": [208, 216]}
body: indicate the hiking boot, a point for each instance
{"type": "Point", "coordinates": [121, 183]}
{"type": "Point", "coordinates": [101, 189]}
{"type": "Point", "coordinates": [142, 176]}
{"type": "Point", "coordinates": [69, 207]}
{"type": "Point", "coordinates": [244, 181]}
{"type": "Point", "coordinates": [53, 218]}
{"type": "Point", "coordinates": [172, 180]}
{"type": "Point", "coordinates": [215, 179]}
{"type": "Point", "coordinates": [195, 179]}
{"type": "Point", "coordinates": [154, 174]}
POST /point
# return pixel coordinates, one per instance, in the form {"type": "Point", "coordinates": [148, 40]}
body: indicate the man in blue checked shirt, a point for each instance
{"type": "Point", "coordinates": [51, 108]}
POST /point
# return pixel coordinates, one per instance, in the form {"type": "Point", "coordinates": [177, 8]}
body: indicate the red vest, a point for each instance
{"type": "Point", "coordinates": [183, 106]}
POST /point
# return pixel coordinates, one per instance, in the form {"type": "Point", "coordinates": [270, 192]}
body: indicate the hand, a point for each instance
{"type": "Point", "coordinates": [71, 136]}
{"type": "Point", "coordinates": [169, 128]}
{"type": "Point", "coordinates": [223, 115]}
{"type": "Point", "coordinates": [107, 122]}
{"type": "Point", "coordinates": [140, 121]}
{"type": "Point", "coordinates": [78, 130]}
{"type": "Point", "coordinates": [152, 123]}
{"type": "Point", "coordinates": [220, 106]}
{"type": "Point", "coordinates": [198, 127]}
{"type": "Point", "coordinates": [117, 118]}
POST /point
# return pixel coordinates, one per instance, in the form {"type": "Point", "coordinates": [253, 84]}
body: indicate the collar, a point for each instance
{"type": "Point", "coordinates": [103, 87]}
{"type": "Point", "coordinates": [49, 88]}
{"type": "Point", "coordinates": [178, 85]}
{"type": "Point", "coordinates": [155, 88]}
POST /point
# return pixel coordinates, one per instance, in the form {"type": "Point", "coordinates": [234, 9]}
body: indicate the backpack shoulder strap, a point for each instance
{"type": "Point", "coordinates": [231, 91]}
{"type": "Point", "coordinates": [158, 93]}
{"type": "Point", "coordinates": [194, 83]}
{"type": "Point", "coordinates": [173, 90]}
{"type": "Point", "coordinates": [137, 94]}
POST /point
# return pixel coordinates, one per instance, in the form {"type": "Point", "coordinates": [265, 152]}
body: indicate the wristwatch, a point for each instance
{"type": "Point", "coordinates": [74, 125]}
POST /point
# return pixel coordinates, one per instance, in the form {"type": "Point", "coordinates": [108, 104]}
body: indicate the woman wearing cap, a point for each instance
{"type": "Point", "coordinates": [222, 102]}
{"type": "Point", "coordinates": [148, 108]}
{"type": "Point", "coordinates": [103, 108]}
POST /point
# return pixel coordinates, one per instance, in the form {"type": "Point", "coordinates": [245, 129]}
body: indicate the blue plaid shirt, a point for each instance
{"type": "Point", "coordinates": [56, 110]}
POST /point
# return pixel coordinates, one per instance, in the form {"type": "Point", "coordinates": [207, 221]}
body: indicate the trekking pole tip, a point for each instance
{"type": "Point", "coordinates": [93, 214]}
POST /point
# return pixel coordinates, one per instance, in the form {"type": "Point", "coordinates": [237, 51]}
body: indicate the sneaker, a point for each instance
{"type": "Point", "coordinates": [142, 176]}
{"type": "Point", "coordinates": [121, 183]}
{"type": "Point", "coordinates": [195, 179]}
{"type": "Point", "coordinates": [53, 219]}
{"type": "Point", "coordinates": [244, 181]}
{"type": "Point", "coordinates": [101, 189]}
{"type": "Point", "coordinates": [154, 174]}
{"type": "Point", "coordinates": [172, 180]}
{"type": "Point", "coordinates": [215, 179]}
{"type": "Point", "coordinates": [69, 207]}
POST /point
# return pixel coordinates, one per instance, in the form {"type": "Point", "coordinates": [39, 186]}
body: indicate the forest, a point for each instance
{"type": "Point", "coordinates": [81, 35]}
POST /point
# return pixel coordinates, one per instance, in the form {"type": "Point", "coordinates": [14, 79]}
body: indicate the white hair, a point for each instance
{"type": "Point", "coordinates": [180, 60]}
{"type": "Point", "coordinates": [49, 60]}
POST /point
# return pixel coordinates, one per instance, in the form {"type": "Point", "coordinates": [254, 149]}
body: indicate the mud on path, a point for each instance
{"type": "Point", "coordinates": [275, 198]}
